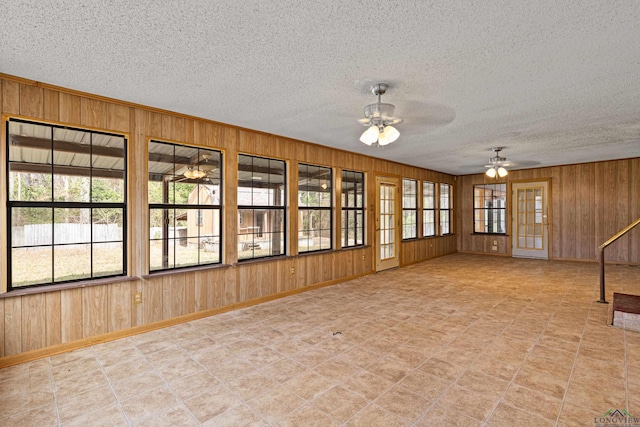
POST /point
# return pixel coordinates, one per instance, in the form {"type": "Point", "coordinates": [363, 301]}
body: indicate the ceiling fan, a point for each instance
{"type": "Point", "coordinates": [379, 119]}
{"type": "Point", "coordinates": [202, 170]}
{"type": "Point", "coordinates": [497, 165]}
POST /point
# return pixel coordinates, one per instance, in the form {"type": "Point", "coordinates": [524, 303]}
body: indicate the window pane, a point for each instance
{"type": "Point", "coordinates": [31, 226]}
{"type": "Point", "coordinates": [72, 262]}
{"type": "Point", "coordinates": [50, 166]}
{"type": "Point", "coordinates": [107, 259]}
{"type": "Point", "coordinates": [71, 225]}
{"type": "Point", "coordinates": [182, 179]}
{"type": "Point", "coordinates": [489, 208]}
{"type": "Point", "coordinates": [108, 225]}
{"type": "Point", "coordinates": [31, 266]}
{"type": "Point", "coordinates": [109, 189]}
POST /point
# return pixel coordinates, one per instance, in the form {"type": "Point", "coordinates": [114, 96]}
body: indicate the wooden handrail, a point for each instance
{"type": "Point", "coordinates": [603, 246]}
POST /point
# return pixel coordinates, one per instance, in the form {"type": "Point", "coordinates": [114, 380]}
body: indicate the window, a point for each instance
{"type": "Point", "coordinates": [446, 206]}
{"type": "Point", "coordinates": [261, 207]}
{"type": "Point", "coordinates": [489, 208]}
{"type": "Point", "coordinates": [314, 208]}
{"type": "Point", "coordinates": [428, 209]}
{"type": "Point", "coordinates": [185, 187]}
{"type": "Point", "coordinates": [409, 208]}
{"type": "Point", "coordinates": [352, 209]}
{"type": "Point", "coordinates": [66, 208]}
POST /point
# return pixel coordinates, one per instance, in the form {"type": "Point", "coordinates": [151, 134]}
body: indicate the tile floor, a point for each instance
{"type": "Point", "coordinates": [462, 340]}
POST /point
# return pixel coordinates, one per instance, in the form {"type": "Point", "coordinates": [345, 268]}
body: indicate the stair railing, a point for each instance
{"type": "Point", "coordinates": [602, 247]}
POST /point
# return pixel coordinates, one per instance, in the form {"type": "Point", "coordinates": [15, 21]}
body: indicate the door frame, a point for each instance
{"type": "Point", "coordinates": [512, 212]}
{"type": "Point", "coordinates": [391, 262]}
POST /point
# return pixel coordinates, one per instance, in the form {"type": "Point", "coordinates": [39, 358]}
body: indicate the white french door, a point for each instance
{"type": "Point", "coordinates": [530, 228]}
{"type": "Point", "coordinates": [387, 223]}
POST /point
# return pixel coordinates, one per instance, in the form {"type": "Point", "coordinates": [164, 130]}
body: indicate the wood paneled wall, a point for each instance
{"type": "Point", "coordinates": [36, 321]}
{"type": "Point", "coordinates": [590, 202]}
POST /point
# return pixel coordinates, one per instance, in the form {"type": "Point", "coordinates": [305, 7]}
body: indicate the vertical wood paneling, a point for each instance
{"type": "Point", "coordinates": [31, 101]}
{"type": "Point", "coordinates": [95, 311]}
{"type": "Point", "coordinates": [117, 118]}
{"type": "Point", "coordinates": [189, 293]}
{"type": "Point", "coordinates": [93, 113]}
{"type": "Point", "coordinates": [13, 325]}
{"type": "Point", "coordinates": [71, 308]}
{"type": "Point", "coordinates": [51, 105]}
{"type": "Point", "coordinates": [70, 108]}
{"type": "Point", "coordinates": [634, 209]}
{"type": "Point", "coordinates": [2, 323]}
{"type": "Point", "coordinates": [34, 326]}
{"type": "Point", "coordinates": [152, 299]}
{"type": "Point", "coordinates": [53, 318]}
{"type": "Point", "coordinates": [202, 283]}
{"type": "Point", "coordinates": [10, 97]}
{"type": "Point", "coordinates": [119, 302]}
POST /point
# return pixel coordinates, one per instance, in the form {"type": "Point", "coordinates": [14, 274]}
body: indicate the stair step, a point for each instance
{"type": "Point", "coordinates": [626, 311]}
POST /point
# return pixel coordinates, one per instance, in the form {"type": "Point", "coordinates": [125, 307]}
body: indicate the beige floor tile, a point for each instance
{"type": "Point", "coordinates": [89, 401]}
{"type": "Point", "coordinates": [240, 416]}
{"type": "Point", "coordinates": [374, 415]}
{"type": "Point", "coordinates": [307, 416]}
{"type": "Point", "coordinates": [134, 385]}
{"type": "Point", "coordinates": [487, 385]}
{"type": "Point", "coordinates": [505, 415]}
{"type": "Point", "coordinates": [532, 401]}
{"type": "Point", "coordinates": [212, 403]}
{"type": "Point", "coordinates": [43, 416]}
{"type": "Point", "coordinates": [109, 416]}
{"type": "Point", "coordinates": [367, 384]}
{"type": "Point", "coordinates": [251, 385]}
{"type": "Point", "coordinates": [442, 369]}
{"type": "Point", "coordinates": [148, 403]}
{"type": "Point", "coordinates": [340, 403]}
{"type": "Point", "coordinates": [430, 388]}
{"type": "Point", "coordinates": [283, 370]}
{"type": "Point", "coordinates": [275, 405]}
{"type": "Point", "coordinates": [310, 384]}
{"type": "Point", "coordinates": [177, 416]}
{"type": "Point", "coordinates": [403, 403]}
{"type": "Point", "coordinates": [469, 403]}
{"type": "Point", "coordinates": [440, 415]}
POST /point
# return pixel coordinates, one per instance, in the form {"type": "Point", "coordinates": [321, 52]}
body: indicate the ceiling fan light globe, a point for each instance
{"type": "Point", "coordinates": [491, 172]}
{"type": "Point", "coordinates": [502, 172]}
{"type": "Point", "coordinates": [388, 135]}
{"type": "Point", "coordinates": [370, 135]}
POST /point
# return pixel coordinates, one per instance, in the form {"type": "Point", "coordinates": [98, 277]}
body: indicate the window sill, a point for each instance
{"type": "Point", "coordinates": [64, 286]}
{"type": "Point", "coordinates": [261, 260]}
{"type": "Point", "coordinates": [489, 234]}
{"type": "Point", "coordinates": [184, 270]}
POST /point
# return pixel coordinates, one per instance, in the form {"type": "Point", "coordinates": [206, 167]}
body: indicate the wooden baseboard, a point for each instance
{"type": "Point", "coordinates": [29, 356]}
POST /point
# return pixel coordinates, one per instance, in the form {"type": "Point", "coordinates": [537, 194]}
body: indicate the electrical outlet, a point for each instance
{"type": "Point", "coordinates": [137, 298]}
{"type": "Point", "coordinates": [495, 243]}
{"type": "Point", "coordinates": [363, 257]}
{"type": "Point", "coordinates": [494, 248]}
{"type": "Point", "coordinates": [292, 270]}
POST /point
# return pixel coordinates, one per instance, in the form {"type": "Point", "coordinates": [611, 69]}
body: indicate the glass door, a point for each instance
{"type": "Point", "coordinates": [387, 225]}
{"type": "Point", "coordinates": [530, 220]}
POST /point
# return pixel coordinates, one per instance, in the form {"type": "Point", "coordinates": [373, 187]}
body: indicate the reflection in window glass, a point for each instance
{"type": "Point", "coordinates": [446, 207]}
{"type": "Point", "coordinates": [489, 208]}
{"type": "Point", "coordinates": [315, 202]}
{"type": "Point", "coordinates": [428, 209]}
{"type": "Point", "coordinates": [66, 204]}
{"type": "Point", "coordinates": [352, 208]}
{"type": "Point", "coordinates": [185, 187]}
{"type": "Point", "coordinates": [261, 207]}
{"type": "Point", "coordinates": [409, 208]}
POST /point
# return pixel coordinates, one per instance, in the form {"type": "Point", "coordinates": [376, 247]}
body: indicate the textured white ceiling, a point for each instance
{"type": "Point", "coordinates": [555, 82]}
